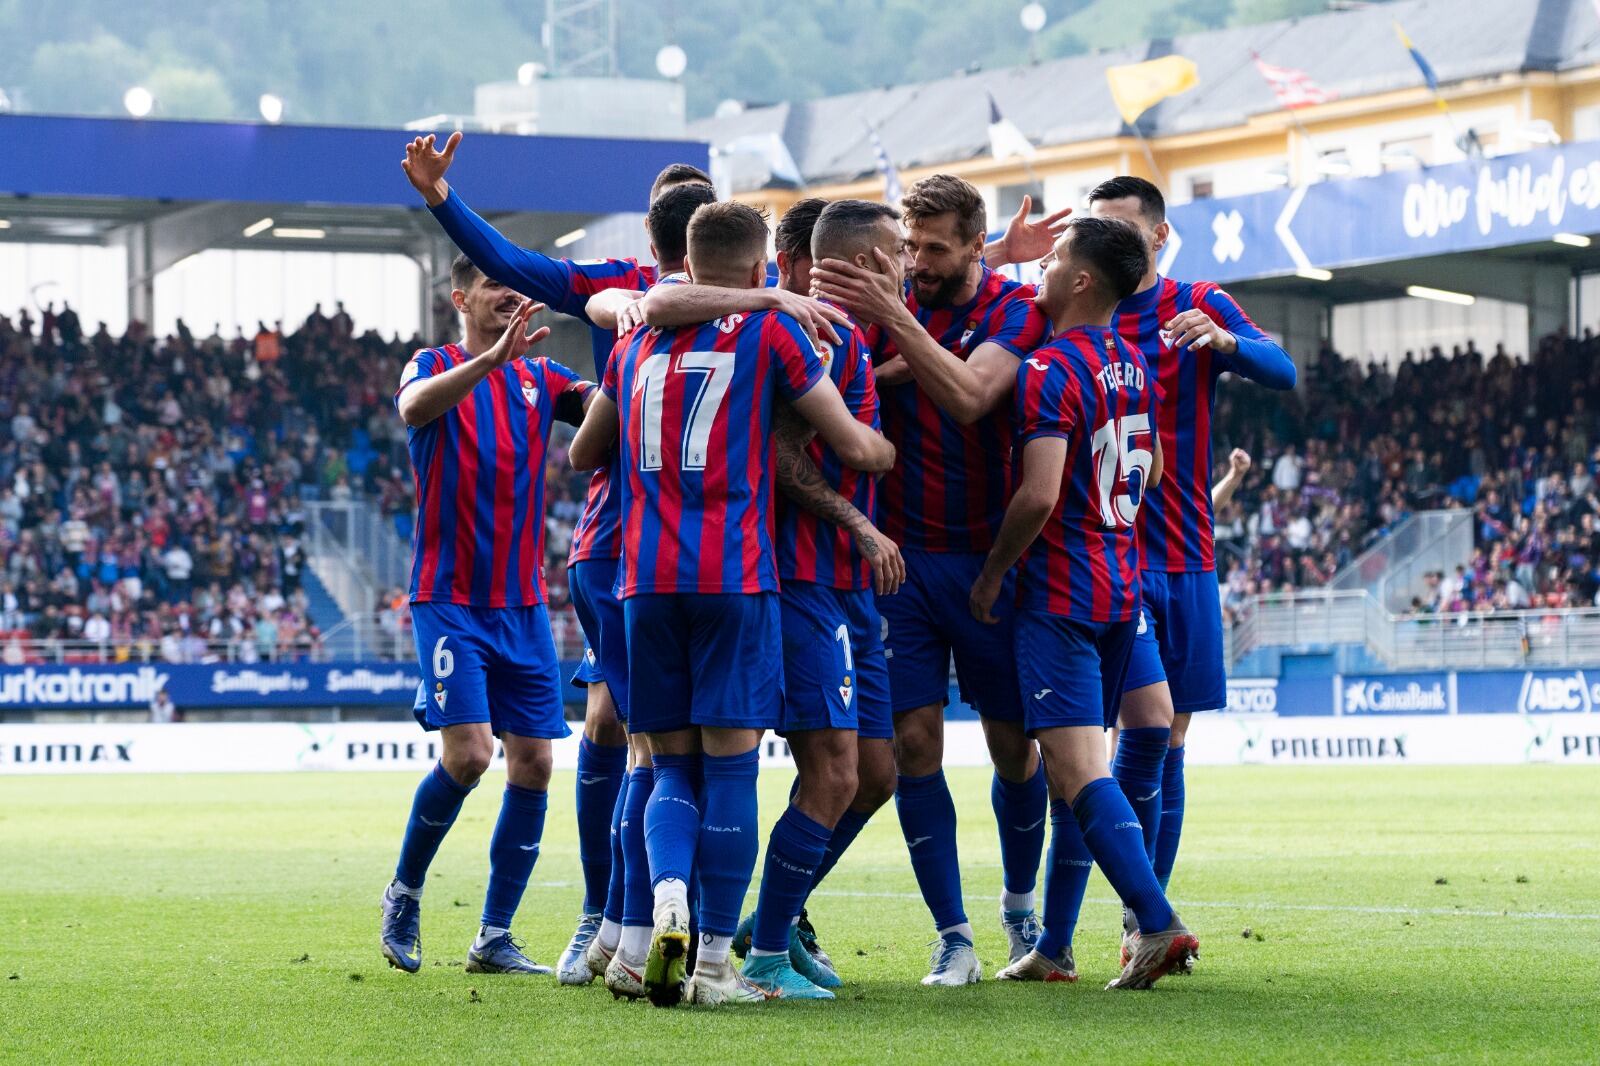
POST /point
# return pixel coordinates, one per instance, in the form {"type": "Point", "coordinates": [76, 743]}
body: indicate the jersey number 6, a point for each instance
{"type": "Point", "coordinates": [1121, 466]}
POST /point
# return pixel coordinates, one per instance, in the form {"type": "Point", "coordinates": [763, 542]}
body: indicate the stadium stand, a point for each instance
{"type": "Point", "coordinates": [1341, 462]}
{"type": "Point", "coordinates": [152, 493]}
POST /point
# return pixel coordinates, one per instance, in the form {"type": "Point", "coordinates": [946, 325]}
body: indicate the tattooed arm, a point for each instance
{"type": "Point", "coordinates": [804, 484]}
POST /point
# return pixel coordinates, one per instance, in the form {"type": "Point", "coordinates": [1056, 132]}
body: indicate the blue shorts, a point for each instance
{"type": "Point", "coordinates": [928, 621]}
{"type": "Point", "coordinates": [605, 651]}
{"type": "Point", "coordinates": [834, 672]}
{"type": "Point", "coordinates": [1181, 640]}
{"type": "Point", "coordinates": [488, 664]}
{"type": "Point", "coordinates": [710, 660]}
{"type": "Point", "coordinates": [1071, 672]}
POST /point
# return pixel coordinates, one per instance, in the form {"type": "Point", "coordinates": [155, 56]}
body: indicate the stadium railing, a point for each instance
{"type": "Point", "coordinates": [22, 651]}
{"type": "Point", "coordinates": [1394, 569]}
{"type": "Point", "coordinates": [353, 640]}
{"type": "Point", "coordinates": [1564, 637]}
{"type": "Point", "coordinates": [356, 552]}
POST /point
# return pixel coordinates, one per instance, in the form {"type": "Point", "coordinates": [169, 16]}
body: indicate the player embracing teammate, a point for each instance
{"type": "Point", "coordinates": [691, 410]}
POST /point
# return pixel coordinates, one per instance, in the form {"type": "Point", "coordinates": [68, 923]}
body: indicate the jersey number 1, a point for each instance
{"type": "Point", "coordinates": [700, 411]}
{"type": "Point", "coordinates": [1121, 470]}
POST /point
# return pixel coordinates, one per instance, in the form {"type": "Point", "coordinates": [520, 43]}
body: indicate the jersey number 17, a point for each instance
{"type": "Point", "coordinates": [715, 370]}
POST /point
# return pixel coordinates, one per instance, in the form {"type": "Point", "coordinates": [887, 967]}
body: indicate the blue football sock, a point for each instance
{"type": "Point", "coordinates": [615, 884]}
{"type": "Point", "coordinates": [728, 843]}
{"type": "Point", "coordinates": [1020, 808]}
{"type": "Point", "coordinates": [1065, 880]}
{"type": "Point", "coordinates": [928, 820]}
{"type": "Point", "coordinates": [672, 819]}
{"type": "Point", "coordinates": [1171, 815]}
{"type": "Point", "coordinates": [1137, 768]}
{"type": "Point", "coordinates": [513, 849]}
{"type": "Point", "coordinates": [1114, 839]}
{"type": "Point", "coordinates": [601, 770]}
{"type": "Point", "coordinates": [637, 900]}
{"type": "Point", "coordinates": [433, 812]}
{"type": "Point", "coordinates": [844, 834]}
{"type": "Point", "coordinates": [794, 854]}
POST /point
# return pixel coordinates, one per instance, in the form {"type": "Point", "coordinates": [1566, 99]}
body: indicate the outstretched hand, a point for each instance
{"type": "Point", "coordinates": [515, 341]}
{"type": "Point", "coordinates": [1025, 241]}
{"type": "Point", "coordinates": [425, 167]}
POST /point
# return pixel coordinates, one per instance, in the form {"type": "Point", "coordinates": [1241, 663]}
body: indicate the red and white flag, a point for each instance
{"type": "Point", "coordinates": [1293, 88]}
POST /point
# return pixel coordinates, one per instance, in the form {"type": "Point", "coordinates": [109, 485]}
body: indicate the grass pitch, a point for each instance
{"type": "Point", "coordinates": [1344, 914]}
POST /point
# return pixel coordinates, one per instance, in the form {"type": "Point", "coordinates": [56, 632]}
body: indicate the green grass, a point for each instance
{"type": "Point", "coordinates": [233, 918]}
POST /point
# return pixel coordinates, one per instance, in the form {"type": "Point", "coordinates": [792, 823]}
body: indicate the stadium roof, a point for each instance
{"type": "Point", "coordinates": [1353, 53]}
{"type": "Point", "coordinates": [81, 179]}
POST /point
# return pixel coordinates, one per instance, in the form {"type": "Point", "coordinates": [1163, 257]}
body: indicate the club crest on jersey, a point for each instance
{"type": "Point", "coordinates": [846, 690]}
{"type": "Point", "coordinates": [972, 327]}
{"type": "Point", "coordinates": [1166, 336]}
{"type": "Point", "coordinates": [530, 392]}
{"type": "Point", "coordinates": [440, 697]}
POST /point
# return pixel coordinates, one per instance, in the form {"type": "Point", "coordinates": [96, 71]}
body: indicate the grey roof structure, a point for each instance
{"type": "Point", "coordinates": [1063, 101]}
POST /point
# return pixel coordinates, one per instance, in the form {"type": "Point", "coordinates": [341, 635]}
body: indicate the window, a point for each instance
{"type": "Point", "coordinates": [1009, 197]}
{"type": "Point", "coordinates": [1406, 153]}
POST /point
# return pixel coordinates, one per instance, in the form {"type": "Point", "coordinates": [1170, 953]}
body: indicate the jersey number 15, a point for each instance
{"type": "Point", "coordinates": [1121, 470]}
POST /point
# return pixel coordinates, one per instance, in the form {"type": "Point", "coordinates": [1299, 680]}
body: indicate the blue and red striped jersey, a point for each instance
{"type": "Point", "coordinates": [949, 488]}
{"type": "Point", "coordinates": [598, 534]}
{"type": "Point", "coordinates": [479, 471]}
{"type": "Point", "coordinates": [1176, 532]}
{"type": "Point", "coordinates": [695, 406]}
{"type": "Point", "coordinates": [1092, 389]}
{"type": "Point", "coordinates": [809, 548]}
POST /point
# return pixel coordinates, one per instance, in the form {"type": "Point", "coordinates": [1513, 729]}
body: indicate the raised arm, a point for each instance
{"type": "Point", "coordinates": [1238, 466]}
{"type": "Point", "coordinates": [1043, 460]}
{"type": "Point", "coordinates": [1024, 241]}
{"type": "Point", "coordinates": [531, 273]}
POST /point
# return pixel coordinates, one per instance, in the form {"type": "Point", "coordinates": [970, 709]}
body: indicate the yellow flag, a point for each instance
{"type": "Point", "coordinates": [1137, 87]}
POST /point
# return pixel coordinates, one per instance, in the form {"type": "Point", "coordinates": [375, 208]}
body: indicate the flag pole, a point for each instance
{"type": "Point", "coordinates": [1149, 156]}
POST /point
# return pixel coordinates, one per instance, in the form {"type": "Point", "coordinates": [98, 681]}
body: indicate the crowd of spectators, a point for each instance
{"type": "Point", "coordinates": [1358, 448]}
{"type": "Point", "coordinates": [152, 492]}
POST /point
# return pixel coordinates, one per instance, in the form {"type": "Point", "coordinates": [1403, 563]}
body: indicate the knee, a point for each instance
{"type": "Point", "coordinates": [1180, 729]}
{"type": "Point", "coordinates": [1012, 751]}
{"type": "Point", "coordinates": [605, 730]}
{"type": "Point", "coordinates": [874, 787]}
{"type": "Point", "coordinates": [919, 744]}
{"type": "Point", "coordinates": [468, 762]}
{"type": "Point", "coordinates": [529, 767]}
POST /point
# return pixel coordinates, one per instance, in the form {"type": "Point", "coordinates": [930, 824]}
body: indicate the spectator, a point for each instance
{"type": "Point", "coordinates": [1286, 471]}
{"type": "Point", "coordinates": [162, 711]}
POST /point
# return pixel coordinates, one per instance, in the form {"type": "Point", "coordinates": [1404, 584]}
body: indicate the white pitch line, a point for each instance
{"type": "Point", "coordinates": [1335, 908]}
{"type": "Point", "coordinates": [1259, 905]}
